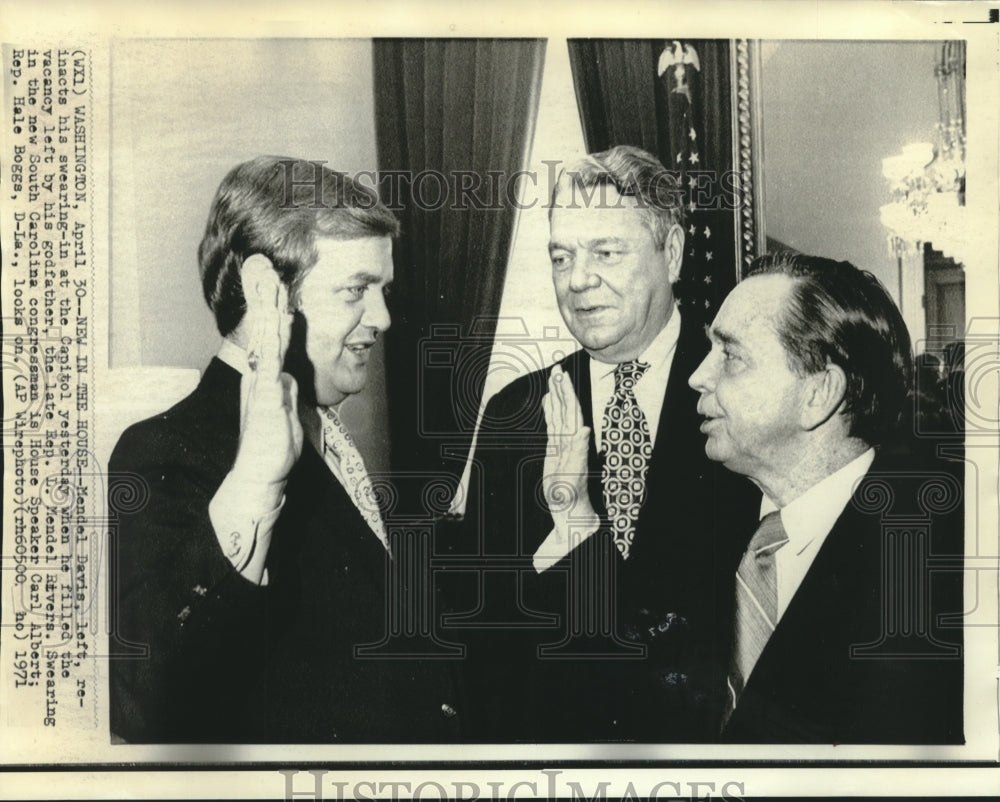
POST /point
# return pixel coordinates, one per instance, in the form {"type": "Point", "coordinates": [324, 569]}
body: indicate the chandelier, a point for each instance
{"type": "Point", "coordinates": [927, 181]}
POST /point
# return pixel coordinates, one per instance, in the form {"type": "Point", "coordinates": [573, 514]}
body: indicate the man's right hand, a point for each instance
{"type": "Point", "coordinates": [270, 429]}
{"type": "Point", "coordinates": [564, 472]}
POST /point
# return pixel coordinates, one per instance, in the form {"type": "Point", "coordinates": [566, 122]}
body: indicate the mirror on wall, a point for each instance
{"type": "Point", "coordinates": [820, 126]}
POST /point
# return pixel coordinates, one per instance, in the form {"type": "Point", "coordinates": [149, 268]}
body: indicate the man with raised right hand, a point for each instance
{"type": "Point", "coordinates": [610, 526]}
{"type": "Point", "coordinates": [258, 563]}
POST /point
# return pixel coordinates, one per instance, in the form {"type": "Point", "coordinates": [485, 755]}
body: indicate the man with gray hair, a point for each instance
{"type": "Point", "coordinates": [600, 493]}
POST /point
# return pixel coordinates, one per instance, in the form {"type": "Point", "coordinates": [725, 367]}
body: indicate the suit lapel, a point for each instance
{"type": "Point", "coordinates": [678, 454]}
{"type": "Point", "coordinates": [577, 367]}
{"type": "Point", "coordinates": [823, 607]}
{"type": "Point", "coordinates": [678, 425]}
{"type": "Point", "coordinates": [321, 532]}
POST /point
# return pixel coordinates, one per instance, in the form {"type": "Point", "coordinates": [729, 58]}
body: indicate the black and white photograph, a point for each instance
{"type": "Point", "coordinates": [457, 407]}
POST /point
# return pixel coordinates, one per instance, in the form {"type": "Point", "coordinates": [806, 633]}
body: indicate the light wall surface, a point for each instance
{"type": "Point", "coordinates": [831, 112]}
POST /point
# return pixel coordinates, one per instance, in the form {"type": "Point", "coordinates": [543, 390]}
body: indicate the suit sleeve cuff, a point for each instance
{"type": "Point", "coordinates": [560, 542]}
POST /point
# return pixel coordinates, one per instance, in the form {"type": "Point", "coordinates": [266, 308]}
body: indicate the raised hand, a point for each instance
{"type": "Point", "coordinates": [270, 430]}
{"type": "Point", "coordinates": [564, 470]}
{"type": "Point", "coordinates": [244, 509]}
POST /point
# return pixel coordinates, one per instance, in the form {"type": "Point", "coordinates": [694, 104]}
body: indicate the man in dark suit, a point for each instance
{"type": "Point", "coordinates": [603, 524]}
{"type": "Point", "coordinates": [839, 632]}
{"type": "Point", "coordinates": [252, 567]}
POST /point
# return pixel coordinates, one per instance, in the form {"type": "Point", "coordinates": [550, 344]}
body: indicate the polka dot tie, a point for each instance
{"type": "Point", "coordinates": [345, 461]}
{"type": "Point", "coordinates": [627, 447]}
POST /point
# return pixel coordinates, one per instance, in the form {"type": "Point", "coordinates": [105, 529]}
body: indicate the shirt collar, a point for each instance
{"type": "Point", "coordinates": [656, 353]}
{"type": "Point", "coordinates": [814, 513]}
{"type": "Point", "coordinates": [236, 357]}
{"type": "Point", "coordinates": [233, 355]}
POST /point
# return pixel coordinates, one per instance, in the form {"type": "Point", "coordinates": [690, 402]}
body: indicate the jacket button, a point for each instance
{"type": "Point", "coordinates": [448, 711]}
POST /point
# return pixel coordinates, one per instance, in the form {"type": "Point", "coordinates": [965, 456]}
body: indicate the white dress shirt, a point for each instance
{"type": "Point", "coordinates": [649, 392]}
{"type": "Point", "coordinates": [808, 520]}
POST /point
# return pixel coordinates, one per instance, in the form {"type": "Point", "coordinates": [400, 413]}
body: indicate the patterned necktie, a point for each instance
{"type": "Point", "coordinates": [756, 601]}
{"type": "Point", "coordinates": [349, 467]}
{"type": "Point", "coordinates": [627, 448]}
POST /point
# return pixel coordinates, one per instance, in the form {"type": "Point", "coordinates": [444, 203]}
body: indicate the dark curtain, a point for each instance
{"type": "Point", "coordinates": [454, 121]}
{"type": "Point", "coordinates": [672, 99]}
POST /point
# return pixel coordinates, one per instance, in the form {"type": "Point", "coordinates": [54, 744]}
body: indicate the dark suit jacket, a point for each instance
{"type": "Point", "coordinates": [231, 661]}
{"type": "Point", "coordinates": [664, 599]}
{"type": "Point", "coordinates": [812, 683]}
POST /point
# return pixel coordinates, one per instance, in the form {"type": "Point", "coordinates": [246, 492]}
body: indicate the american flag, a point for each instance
{"type": "Point", "coordinates": [710, 259]}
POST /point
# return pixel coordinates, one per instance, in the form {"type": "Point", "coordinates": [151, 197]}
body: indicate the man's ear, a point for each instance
{"type": "Point", "coordinates": [673, 252]}
{"type": "Point", "coordinates": [824, 396]}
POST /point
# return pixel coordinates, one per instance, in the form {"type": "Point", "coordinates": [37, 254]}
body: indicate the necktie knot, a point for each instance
{"type": "Point", "coordinates": [627, 374]}
{"type": "Point", "coordinates": [335, 434]}
{"type": "Point", "coordinates": [769, 537]}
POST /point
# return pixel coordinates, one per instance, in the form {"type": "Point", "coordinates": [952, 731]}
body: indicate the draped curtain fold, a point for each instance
{"type": "Point", "coordinates": [673, 99]}
{"type": "Point", "coordinates": [454, 121]}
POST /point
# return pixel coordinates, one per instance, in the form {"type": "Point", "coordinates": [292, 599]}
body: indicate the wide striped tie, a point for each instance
{"type": "Point", "coordinates": [756, 602]}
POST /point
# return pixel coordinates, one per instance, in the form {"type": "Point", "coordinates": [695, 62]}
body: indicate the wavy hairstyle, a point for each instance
{"type": "Point", "coordinates": [634, 173]}
{"type": "Point", "coordinates": [277, 207]}
{"type": "Point", "coordinates": [842, 315]}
